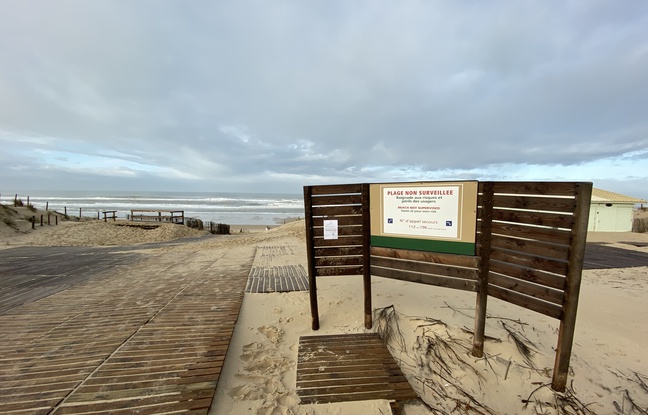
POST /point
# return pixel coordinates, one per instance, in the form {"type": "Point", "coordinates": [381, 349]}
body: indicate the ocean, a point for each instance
{"type": "Point", "coordinates": [228, 208]}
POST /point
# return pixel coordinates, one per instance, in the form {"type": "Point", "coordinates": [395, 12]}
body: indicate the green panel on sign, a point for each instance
{"type": "Point", "coordinates": [447, 247]}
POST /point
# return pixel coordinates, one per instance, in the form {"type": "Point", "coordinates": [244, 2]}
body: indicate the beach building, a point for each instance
{"type": "Point", "coordinates": [611, 212]}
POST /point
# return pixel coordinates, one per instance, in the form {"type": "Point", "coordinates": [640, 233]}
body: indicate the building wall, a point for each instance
{"type": "Point", "coordinates": [617, 217]}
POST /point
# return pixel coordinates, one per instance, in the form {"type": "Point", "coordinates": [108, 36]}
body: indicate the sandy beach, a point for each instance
{"type": "Point", "coordinates": [431, 327]}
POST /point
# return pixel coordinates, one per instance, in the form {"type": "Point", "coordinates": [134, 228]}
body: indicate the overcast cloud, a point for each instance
{"type": "Point", "coordinates": [275, 95]}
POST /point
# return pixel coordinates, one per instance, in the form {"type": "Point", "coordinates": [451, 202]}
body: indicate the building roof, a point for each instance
{"type": "Point", "coordinates": [600, 195]}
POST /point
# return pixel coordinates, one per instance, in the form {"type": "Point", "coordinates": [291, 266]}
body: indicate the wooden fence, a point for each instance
{"type": "Point", "coordinates": [347, 255]}
{"type": "Point", "coordinates": [530, 251]}
{"type": "Point", "coordinates": [170, 216]}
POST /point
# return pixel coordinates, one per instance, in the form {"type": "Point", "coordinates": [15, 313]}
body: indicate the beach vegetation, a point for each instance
{"type": "Point", "coordinates": [9, 221]}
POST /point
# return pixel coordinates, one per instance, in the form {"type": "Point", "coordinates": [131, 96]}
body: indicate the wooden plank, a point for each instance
{"type": "Point", "coordinates": [432, 257]}
{"type": "Point", "coordinates": [531, 247]}
{"type": "Point", "coordinates": [338, 261]}
{"type": "Point", "coordinates": [377, 377]}
{"type": "Point", "coordinates": [341, 241]}
{"type": "Point", "coordinates": [335, 189]}
{"type": "Point", "coordinates": [529, 274]}
{"type": "Point", "coordinates": [327, 339]}
{"type": "Point", "coordinates": [318, 232]}
{"type": "Point", "coordinates": [439, 281]}
{"type": "Point", "coordinates": [426, 268]}
{"type": "Point", "coordinates": [556, 220]}
{"type": "Point", "coordinates": [355, 220]}
{"type": "Point", "coordinates": [337, 210]}
{"type": "Point", "coordinates": [337, 200]}
{"type": "Point", "coordinates": [338, 251]}
{"type": "Point", "coordinates": [530, 303]}
{"type": "Point", "coordinates": [347, 372]}
{"type": "Point", "coordinates": [359, 396]}
{"type": "Point", "coordinates": [338, 271]}
{"type": "Point", "coordinates": [555, 236]}
{"type": "Point", "coordinates": [552, 204]}
{"type": "Point", "coordinates": [529, 261]}
{"type": "Point", "coordinates": [536, 188]}
{"type": "Point", "coordinates": [527, 288]}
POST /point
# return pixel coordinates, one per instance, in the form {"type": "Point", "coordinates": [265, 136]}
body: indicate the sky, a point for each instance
{"type": "Point", "coordinates": [270, 96]}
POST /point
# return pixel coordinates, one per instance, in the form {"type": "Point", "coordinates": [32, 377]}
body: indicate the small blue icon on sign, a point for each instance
{"type": "Point", "coordinates": [390, 220]}
{"type": "Point", "coordinates": [448, 223]}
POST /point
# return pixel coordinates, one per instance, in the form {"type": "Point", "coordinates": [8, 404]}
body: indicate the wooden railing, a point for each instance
{"type": "Point", "coordinates": [168, 216]}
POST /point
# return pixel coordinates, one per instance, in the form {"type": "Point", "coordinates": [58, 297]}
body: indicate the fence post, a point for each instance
{"type": "Point", "coordinates": [46, 205]}
{"type": "Point", "coordinates": [48, 220]}
{"type": "Point", "coordinates": [366, 255]}
{"type": "Point", "coordinates": [310, 248]}
{"type": "Point", "coordinates": [33, 221]}
{"type": "Point", "coordinates": [41, 220]}
{"type": "Point", "coordinates": [79, 213]}
{"type": "Point", "coordinates": [484, 260]}
{"type": "Point", "coordinates": [570, 300]}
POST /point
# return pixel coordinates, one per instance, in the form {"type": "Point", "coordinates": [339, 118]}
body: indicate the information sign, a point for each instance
{"type": "Point", "coordinates": [430, 216]}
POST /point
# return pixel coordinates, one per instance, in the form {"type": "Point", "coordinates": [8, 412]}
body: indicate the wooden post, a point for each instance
{"type": "Point", "coordinates": [56, 216]}
{"type": "Point", "coordinates": [572, 290]}
{"type": "Point", "coordinates": [366, 255]}
{"type": "Point", "coordinates": [65, 210]}
{"type": "Point", "coordinates": [310, 251]}
{"type": "Point", "coordinates": [16, 200]}
{"type": "Point", "coordinates": [46, 205]}
{"type": "Point", "coordinates": [27, 200]}
{"type": "Point", "coordinates": [79, 213]}
{"type": "Point", "coordinates": [49, 223]}
{"type": "Point", "coordinates": [484, 268]}
{"type": "Point", "coordinates": [41, 220]}
{"type": "Point", "coordinates": [33, 221]}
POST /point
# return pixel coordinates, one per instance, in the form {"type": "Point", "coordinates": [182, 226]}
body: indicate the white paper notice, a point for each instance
{"type": "Point", "coordinates": [330, 229]}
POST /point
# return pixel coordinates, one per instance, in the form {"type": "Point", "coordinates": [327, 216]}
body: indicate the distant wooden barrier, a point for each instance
{"type": "Point", "coordinates": [530, 251]}
{"type": "Point", "coordinates": [168, 216]}
{"type": "Point", "coordinates": [109, 214]}
{"type": "Point", "coordinates": [640, 225]}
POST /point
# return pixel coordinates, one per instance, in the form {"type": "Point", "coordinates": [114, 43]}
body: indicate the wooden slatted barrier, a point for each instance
{"type": "Point", "coordinates": [534, 258]}
{"type": "Point", "coordinates": [348, 253]}
{"type": "Point", "coordinates": [530, 252]}
{"type": "Point", "coordinates": [444, 270]}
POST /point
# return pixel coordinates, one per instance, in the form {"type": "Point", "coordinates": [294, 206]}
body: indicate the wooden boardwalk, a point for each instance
{"type": "Point", "coordinates": [348, 367]}
{"type": "Point", "coordinates": [601, 256]}
{"type": "Point", "coordinates": [277, 269]}
{"type": "Point", "coordinates": [115, 331]}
